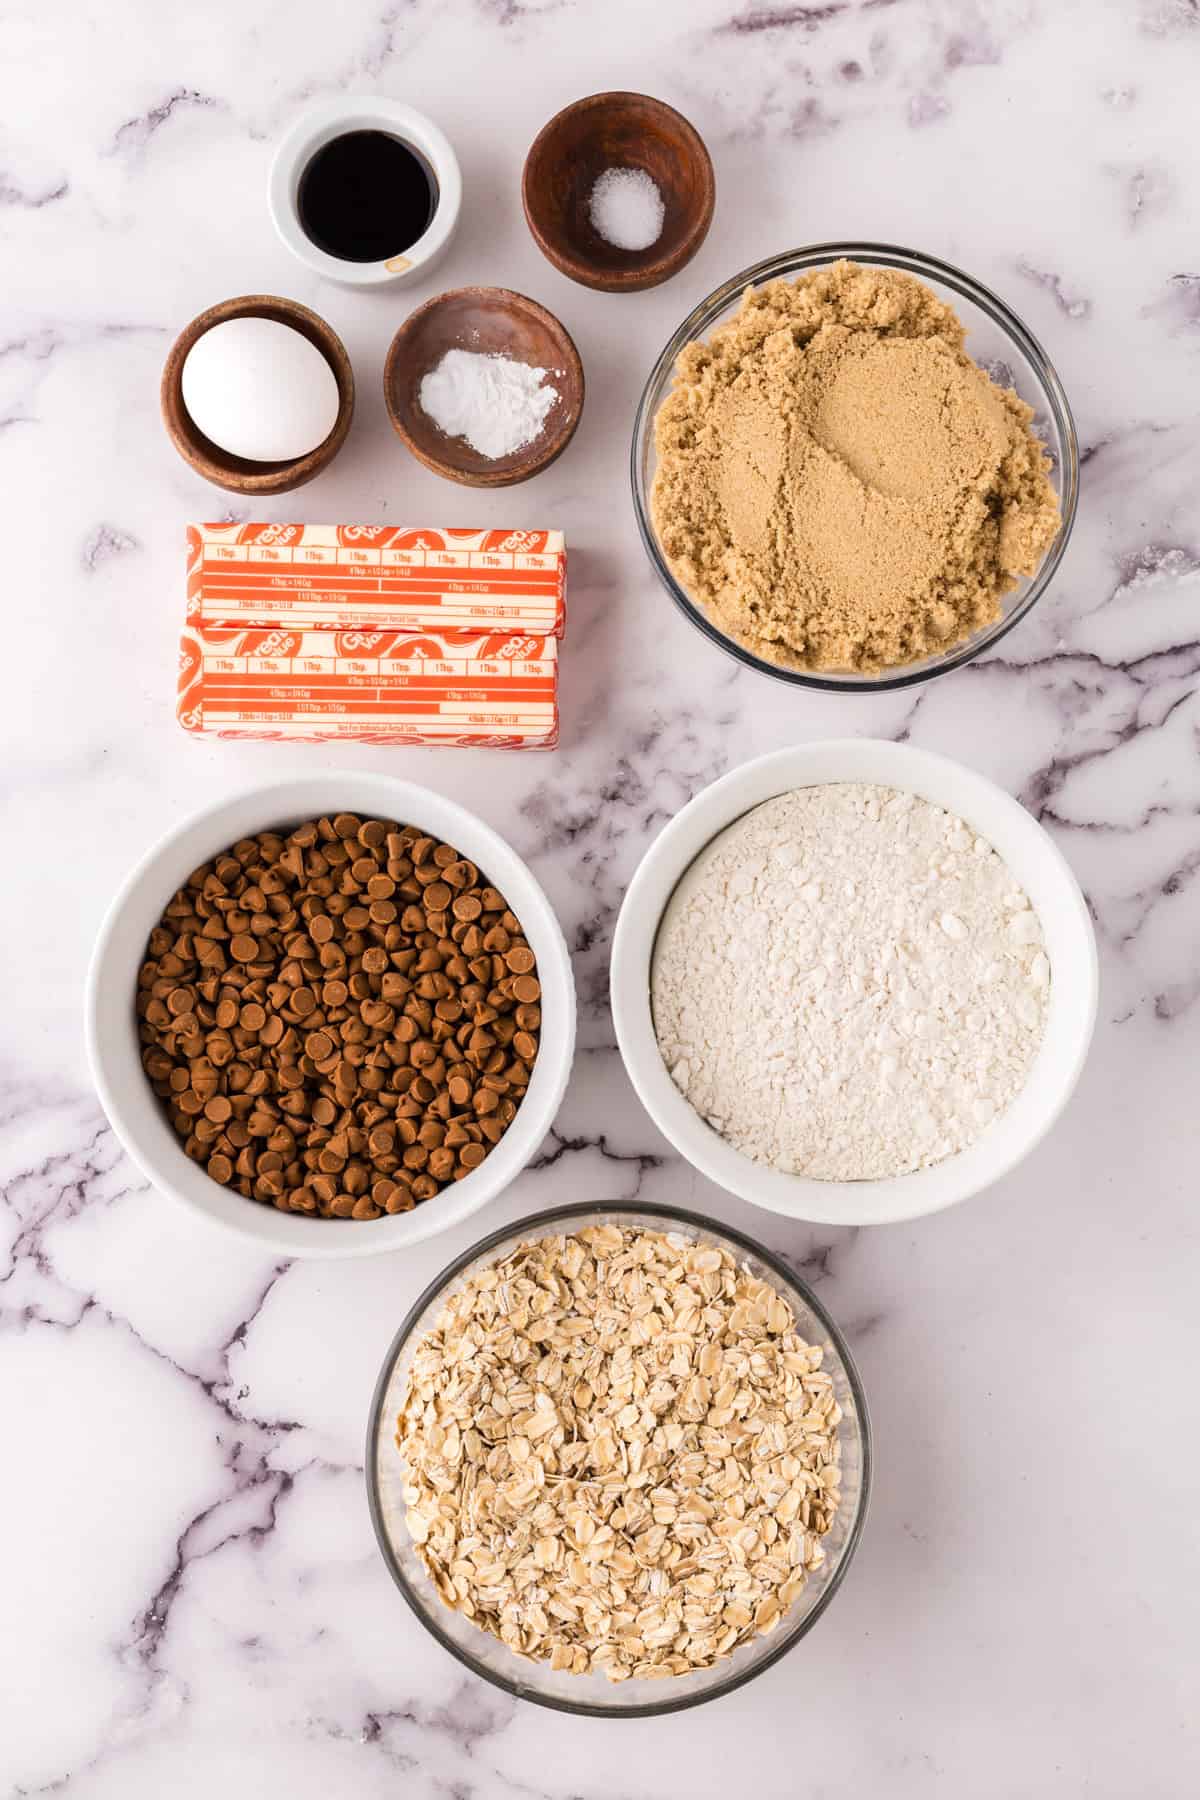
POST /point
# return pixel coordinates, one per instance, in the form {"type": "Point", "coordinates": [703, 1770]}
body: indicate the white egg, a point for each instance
{"type": "Point", "coordinates": [259, 390]}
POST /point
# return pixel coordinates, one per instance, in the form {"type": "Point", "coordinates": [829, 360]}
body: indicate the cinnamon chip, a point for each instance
{"type": "Point", "coordinates": [339, 1020]}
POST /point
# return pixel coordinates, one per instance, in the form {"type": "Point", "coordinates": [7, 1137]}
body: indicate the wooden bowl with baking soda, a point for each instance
{"type": "Point", "coordinates": [623, 142]}
{"type": "Point", "coordinates": [252, 392]}
{"type": "Point", "coordinates": [485, 332]}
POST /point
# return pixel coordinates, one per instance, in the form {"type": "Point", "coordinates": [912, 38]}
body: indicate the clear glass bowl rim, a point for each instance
{"type": "Point", "coordinates": [671, 1216]}
{"type": "Point", "coordinates": [913, 262]}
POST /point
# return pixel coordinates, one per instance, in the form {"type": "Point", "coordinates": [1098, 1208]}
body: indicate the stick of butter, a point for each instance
{"type": "Point", "coordinates": [384, 634]}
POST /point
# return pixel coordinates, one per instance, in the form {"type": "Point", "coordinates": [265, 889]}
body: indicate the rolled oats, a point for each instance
{"type": "Point", "coordinates": [621, 1456]}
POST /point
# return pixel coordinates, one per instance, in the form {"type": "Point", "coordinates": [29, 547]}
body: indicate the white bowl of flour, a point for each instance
{"type": "Point", "coordinates": [854, 982]}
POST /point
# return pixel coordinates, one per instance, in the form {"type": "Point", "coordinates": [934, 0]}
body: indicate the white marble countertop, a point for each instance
{"type": "Point", "coordinates": [192, 1598]}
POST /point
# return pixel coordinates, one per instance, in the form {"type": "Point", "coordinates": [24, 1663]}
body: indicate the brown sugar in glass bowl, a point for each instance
{"type": "Point", "coordinates": [997, 342]}
{"type": "Point", "coordinates": [341, 1019]}
{"type": "Point", "coordinates": [607, 131]}
{"type": "Point", "coordinates": [239, 474]}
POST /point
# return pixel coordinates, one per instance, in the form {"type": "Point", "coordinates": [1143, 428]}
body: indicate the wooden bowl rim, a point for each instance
{"type": "Point", "coordinates": [544, 450]}
{"type": "Point", "coordinates": [276, 478]}
{"type": "Point", "coordinates": [637, 276]}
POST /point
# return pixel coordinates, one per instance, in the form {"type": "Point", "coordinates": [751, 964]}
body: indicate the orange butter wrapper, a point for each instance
{"type": "Point", "coordinates": [382, 634]}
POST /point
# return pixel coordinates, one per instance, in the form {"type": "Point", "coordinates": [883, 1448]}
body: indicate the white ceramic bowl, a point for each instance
{"type": "Point", "coordinates": [331, 119]}
{"type": "Point", "coordinates": [137, 1115]}
{"type": "Point", "coordinates": [1036, 864]}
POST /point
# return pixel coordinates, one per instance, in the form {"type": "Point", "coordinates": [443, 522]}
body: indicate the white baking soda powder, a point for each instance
{"type": "Point", "coordinates": [848, 983]}
{"type": "Point", "coordinates": [496, 404]}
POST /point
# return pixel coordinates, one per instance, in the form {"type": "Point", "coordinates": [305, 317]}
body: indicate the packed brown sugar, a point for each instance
{"type": "Point", "coordinates": [838, 484]}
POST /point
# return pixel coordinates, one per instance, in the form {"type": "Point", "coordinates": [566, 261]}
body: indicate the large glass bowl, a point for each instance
{"type": "Point", "coordinates": [594, 1694]}
{"type": "Point", "coordinates": [996, 339]}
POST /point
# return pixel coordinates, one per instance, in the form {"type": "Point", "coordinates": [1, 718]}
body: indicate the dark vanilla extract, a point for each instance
{"type": "Point", "coordinates": [366, 196]}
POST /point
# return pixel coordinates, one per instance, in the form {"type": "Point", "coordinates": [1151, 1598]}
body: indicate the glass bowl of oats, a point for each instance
{"type": "Point", "coordinates": [618, 1459]}
{"type": "Point", "coordinates": [854, 468]}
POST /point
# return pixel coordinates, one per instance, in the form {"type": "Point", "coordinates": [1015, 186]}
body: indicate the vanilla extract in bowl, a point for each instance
{"type": "Point", "coordinates": [366, 196]}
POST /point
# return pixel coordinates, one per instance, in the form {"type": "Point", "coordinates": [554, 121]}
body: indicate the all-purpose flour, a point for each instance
{"type": "Point", "coordinates": [848, 984]}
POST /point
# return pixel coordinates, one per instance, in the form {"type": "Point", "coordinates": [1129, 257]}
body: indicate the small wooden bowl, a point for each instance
{"type": "Point", "coordinates": [238, 473]}
{"type": "Point", "coordinates": [622, 131]}
{"type": "Point", "coordinates": [489, 321]}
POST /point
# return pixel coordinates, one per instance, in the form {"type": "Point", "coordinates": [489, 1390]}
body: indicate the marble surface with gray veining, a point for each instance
{"type": "Point", "coordinates": [192, 1601]}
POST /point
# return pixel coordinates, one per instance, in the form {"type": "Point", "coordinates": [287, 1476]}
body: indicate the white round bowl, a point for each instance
{"type": "Point", "coordinates": [1037, 866]}
{"type": "Point", "coordinates": [331, 119]}
{"type": "Point", "coordinates": [136, 1113]}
